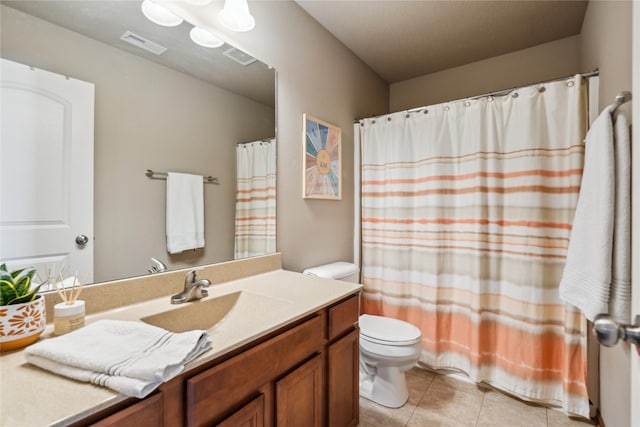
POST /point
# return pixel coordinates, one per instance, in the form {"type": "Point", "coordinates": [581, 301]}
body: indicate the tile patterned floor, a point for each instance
{"type": "Point", "coordinates": [441, 401]}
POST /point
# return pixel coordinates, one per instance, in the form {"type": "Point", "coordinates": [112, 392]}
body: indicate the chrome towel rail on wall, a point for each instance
{"type": "Point", "coordinates": [163, 175]}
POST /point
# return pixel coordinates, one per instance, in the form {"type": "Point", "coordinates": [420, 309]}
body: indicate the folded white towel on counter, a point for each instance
{"type": "Point", "coordinates": [132, 358]}
{"type": "Point", "coordinates": [185, 212]}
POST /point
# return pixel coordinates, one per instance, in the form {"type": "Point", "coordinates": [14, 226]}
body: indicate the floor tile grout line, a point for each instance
{"type": "Point", "coordinates": [420, 400]}
{"type": "Point", "coordinates": [484, 396]}
{"type": "Point", "coordinates": [424, 393]}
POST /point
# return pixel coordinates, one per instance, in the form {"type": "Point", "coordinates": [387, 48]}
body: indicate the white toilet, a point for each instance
{"type": "Point", "coordinates": [388, 347]}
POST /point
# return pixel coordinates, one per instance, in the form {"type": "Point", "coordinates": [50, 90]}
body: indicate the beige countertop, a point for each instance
{"type": "Point", "coordinates": [30, 396]}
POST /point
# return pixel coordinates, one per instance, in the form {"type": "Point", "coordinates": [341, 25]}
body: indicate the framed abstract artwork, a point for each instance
{"type": "Point", "coordinates": [322, 160]}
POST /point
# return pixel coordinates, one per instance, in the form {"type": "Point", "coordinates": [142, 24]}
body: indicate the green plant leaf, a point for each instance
{"type": "Point", "coordinates": [8, 291]}
{"type": "Point", "coordinates": [15, 286]}
{"type": "Point", "coordinates": [25, 298]}
{"type": "Point", "coordinates": [5, 275]}
{"type": "Point", "coordinates": [16, 273]}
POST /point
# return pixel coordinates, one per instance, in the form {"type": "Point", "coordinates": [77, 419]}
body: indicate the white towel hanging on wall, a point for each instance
{"type": "Point", "coordinates": [596, 278]}
{"type": "Point", "coordinates": [185, 212]}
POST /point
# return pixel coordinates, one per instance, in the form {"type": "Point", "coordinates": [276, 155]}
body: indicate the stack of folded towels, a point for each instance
{"type": "Point", "coordinates": [132, 358]}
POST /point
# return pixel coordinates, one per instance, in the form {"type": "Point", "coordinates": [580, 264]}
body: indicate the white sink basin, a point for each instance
{"type": "Point", "coordinates": [202, 314]}
{"type": "Point", "coordinates": [242, 308]}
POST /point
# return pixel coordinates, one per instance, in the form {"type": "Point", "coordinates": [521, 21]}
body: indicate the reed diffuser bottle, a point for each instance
{"type": "Point", "coordinates": [68, 315]}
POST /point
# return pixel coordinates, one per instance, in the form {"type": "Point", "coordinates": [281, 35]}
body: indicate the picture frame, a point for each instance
{"type": "Point", "coordinates": [322, 148]}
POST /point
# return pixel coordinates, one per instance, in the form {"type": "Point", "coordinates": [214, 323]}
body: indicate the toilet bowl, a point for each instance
{"type": "Point", "coordinates": [388, 347]}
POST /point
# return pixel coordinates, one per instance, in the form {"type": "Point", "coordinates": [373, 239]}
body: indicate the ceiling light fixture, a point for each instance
{"type": "Point", "coordinates": [160, 14]}
{"type": "Point", "coordinates": [235, 16]}
{"type": "Point", "coordinates": [204, 38]}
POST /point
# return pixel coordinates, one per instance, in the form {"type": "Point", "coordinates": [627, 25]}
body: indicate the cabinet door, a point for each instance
{"type": "Point", "coordinates": [299, 396]}
{"type": "Point", "coordinates": [147, 412]}
{"type": "Point", "coordinates": [343, 381]}
{"type": "Point", "coordinates": [250, 415]}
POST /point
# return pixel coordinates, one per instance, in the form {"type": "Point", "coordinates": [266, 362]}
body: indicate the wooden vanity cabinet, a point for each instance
{"type": "Point", "coordinates": [299, 396]}
{"type": "Point", "coordinates": [305, 374]}
{"type": "Point", "coordinates": [342, 356]}
{"type": "Point", "coordinates": [216, 393]}
{"type": "Point", "coordinates": [148, 412]}
{"type": "Point", "coordinates": [250, 415]}
{"type": "Point", "coordinates": [343, 381]}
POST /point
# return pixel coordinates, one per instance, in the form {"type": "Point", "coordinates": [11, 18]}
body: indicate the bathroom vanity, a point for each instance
{"type": "Point", "coordinates": [285, 355]}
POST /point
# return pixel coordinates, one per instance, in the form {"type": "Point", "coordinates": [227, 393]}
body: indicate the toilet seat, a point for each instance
{"type": "Point", "coordinates": [385, 352]}
{"type": "Point", "coordinates": [388, 331]}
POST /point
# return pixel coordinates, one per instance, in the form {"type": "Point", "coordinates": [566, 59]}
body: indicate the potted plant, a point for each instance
{"type": "Point", "coordinates": [22, 310]}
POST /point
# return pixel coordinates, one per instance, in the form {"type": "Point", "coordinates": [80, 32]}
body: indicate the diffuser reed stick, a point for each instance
{"type": "Point", "coordinates": [68, 294]}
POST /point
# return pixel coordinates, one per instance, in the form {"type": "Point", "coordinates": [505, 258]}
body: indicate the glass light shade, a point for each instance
{"type": "Point", "coordinates": [235, 16]}
{"type": "Point", "coordinates": [160, 14]}
{"type": "Point", "coordinates": [204, 38]}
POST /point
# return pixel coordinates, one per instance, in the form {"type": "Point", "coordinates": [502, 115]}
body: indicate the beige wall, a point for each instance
{"type": "Point", "coordinates": [319, 76]}
{"type": "Point", "coordinates": [544, 62]}
{"type": "Point", "coordinates": [606, 45]}
{"type": "Point", "coordinates": [146, 117]}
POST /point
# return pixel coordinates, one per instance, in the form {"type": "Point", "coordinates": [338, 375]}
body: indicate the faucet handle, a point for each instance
{"type": "Point", "coordinates": [191, 275]}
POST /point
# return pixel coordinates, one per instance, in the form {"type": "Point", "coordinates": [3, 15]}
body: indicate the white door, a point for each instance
{"type": "Point", "coordinates": [46, 170]}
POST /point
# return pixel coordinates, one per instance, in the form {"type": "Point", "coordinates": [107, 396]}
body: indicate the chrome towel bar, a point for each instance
{"type": "Point", "coordinates": [163, 175]}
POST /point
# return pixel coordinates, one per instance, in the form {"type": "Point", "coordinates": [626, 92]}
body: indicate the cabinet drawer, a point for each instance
{"type": "Point", "coordinates": [343, 316]}
{"type": "Point", "coordinates": [147, 412]}
{"type": "Point", "coordinates": [217, 391]}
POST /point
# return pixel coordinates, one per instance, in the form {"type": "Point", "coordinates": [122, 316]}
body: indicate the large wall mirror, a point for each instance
{"type": "Point", "coordinates": [185, 110]}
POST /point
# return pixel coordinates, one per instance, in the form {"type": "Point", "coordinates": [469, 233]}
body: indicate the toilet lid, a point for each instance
{"type": "Point", "coordinates": [386, 329]}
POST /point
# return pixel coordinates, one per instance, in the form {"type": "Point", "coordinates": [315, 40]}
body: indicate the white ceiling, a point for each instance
{"type": "Point", "coordinates": [402, 39]}
{"type": "Point", "coordinates": [398, 39]}
{"type": "Point", "coordinates": [107, 20]}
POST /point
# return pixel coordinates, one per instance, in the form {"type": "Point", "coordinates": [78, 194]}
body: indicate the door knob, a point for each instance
{"type": "Point", "coordinates": [609, 332]}
{"type": "Point", "coordinates": [82, 240]}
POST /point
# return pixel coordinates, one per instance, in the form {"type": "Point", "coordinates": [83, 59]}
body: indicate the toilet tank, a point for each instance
{"type": "Point", "coordinates": [345, 271]}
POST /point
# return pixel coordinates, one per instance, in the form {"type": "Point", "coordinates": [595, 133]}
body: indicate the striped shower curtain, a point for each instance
{"type": "Point", "coordinates": [466, 214]}
{"type": "Point", "coordinates": [255, 221]}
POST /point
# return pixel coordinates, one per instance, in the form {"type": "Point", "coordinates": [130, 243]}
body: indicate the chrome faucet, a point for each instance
{"type": "Point", "coordinates": [157, 267]}
{"type": "Point", "coordinates": [192, 289]}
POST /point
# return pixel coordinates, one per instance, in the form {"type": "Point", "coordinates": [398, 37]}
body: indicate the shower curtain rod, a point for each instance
{"type": "Point", "coordinates": [501, 92]}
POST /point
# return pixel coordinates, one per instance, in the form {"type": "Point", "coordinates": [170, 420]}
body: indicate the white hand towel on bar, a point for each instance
{"type": "Point", "coordinates": [587, 278]}
{"type": "Point", "coordinates": [185, 212]}
{"type": "Point", "coordinates": [620, 293]}
{"type": "Point", "coordinates": [132, 358]}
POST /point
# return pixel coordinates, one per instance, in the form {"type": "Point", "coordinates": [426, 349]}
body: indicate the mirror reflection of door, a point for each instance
{"type": "Point", "coordinates": [46, 206]}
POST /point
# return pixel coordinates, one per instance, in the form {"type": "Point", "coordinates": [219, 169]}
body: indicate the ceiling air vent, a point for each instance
{"type": "Point", "coordinates": [239, 56]}
{"type": "Point", "coordinates": [143, 43]}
